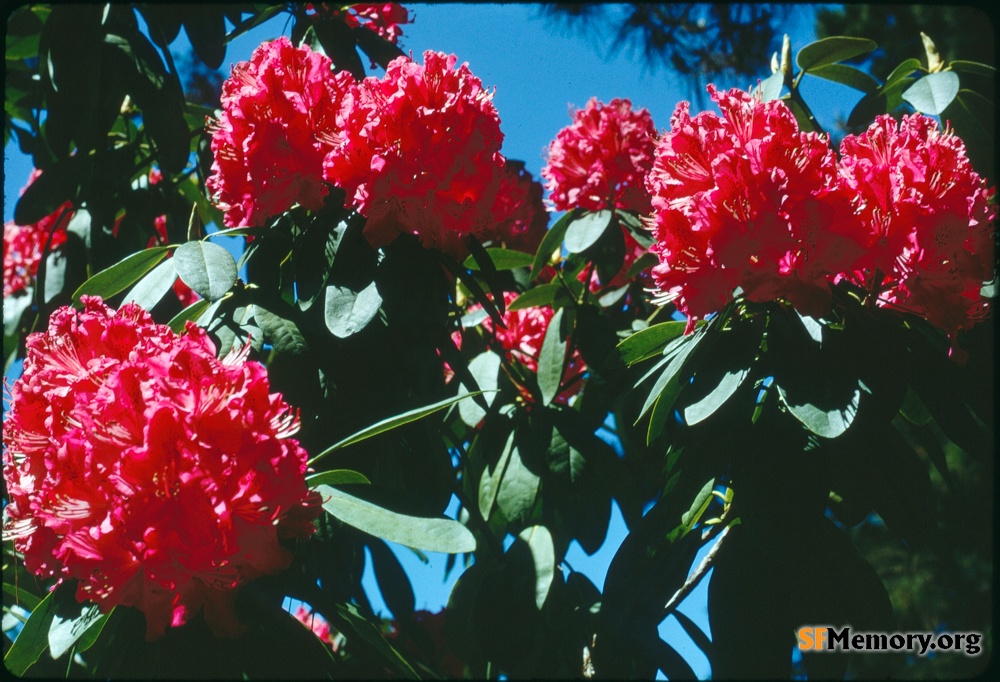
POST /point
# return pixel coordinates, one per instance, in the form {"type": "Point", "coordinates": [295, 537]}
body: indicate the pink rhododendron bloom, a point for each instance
{"type": "Point", "coordinates": [518, 209]}
{"type": "Point", "coordinates": [522, 342]}
{"type": "Point", "coordinates": [600, 160]}
{"type": "Point", "coordinates": [268, 143]}
{"type": "Point", "coordinates": [151, 472]}
{"type": "Point", "coordinates": [745, 199]}
{"type": "Point", "coordinates": [418, 151]}
{"type": "Point", "coordinates": [23, 245]}
{"type": "Point", "coordinates": [926, 220]}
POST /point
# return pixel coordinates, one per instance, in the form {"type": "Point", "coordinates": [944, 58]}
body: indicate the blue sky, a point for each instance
{"type": "Point", "coordinates": [540, 72]}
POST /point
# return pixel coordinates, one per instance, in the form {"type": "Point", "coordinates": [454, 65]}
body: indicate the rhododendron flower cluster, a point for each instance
{"type": "Point", "coordinates": [418, 151]}
{"type": "Point", "coordinates": [522, 341]}
{"type": "Point", "coordinates": [267, 142]}
{"type": "Point", "coordinates": [148, 470]}
{"type": "Point", "coordinates": [23, 245]}
{"type": "Point", "coordinates": [745, 199]}
{"type": "Point", "coordinates": [601, 159]}
{"type": "Point", "coordinates": [519, 211]}
{"type": "Point", "coordinates": [926, 220]}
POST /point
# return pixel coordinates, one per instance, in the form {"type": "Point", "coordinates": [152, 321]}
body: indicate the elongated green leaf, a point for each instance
{"type": "Point", "coordinates": [649, 341]}
{"type": "Point", "coordinates": [485, 369]}
{"type": "Point", "coordinates": [933, 93]}
{"type": "Point", "coordinates": [543, 555]}
{"type": "Point", "coordinates": [550, 242]}
{"type": "Point", "coordinates": [237, 232]}
{"type": "Point", "coordinates": [847, 75]}
{"type": "Point", "coordinates": [252, 22]}
{"type": "Point", "coordinates": [827, 422]}
{"type": "Point", "coordinates": [122, 274]}
{"type": "Point", "coordinates": [543, 294]}
{"type": "Point", "coordinates": [832, 50]}
{"type": "Point", "coordinates": [641, 264]}
{"type": "Point", "coordinates": [503, 259]}
{"type": "Point", "coordinates": [551, 359]}
{"type": "Point", "coordinates": [70, 622]}
{"type": "Point", "coordinates": [975, 68]}
{"type": "Point", "coordinates": [707, 406]}
{"type": "Point", "coordinates": [585, 230]}
{"type": "Point", "coordinates": [901, 72]}
{"type": "Point", "coordinates": [518, 489]}
{"type": "Point", "coordinates": [389, 424]}
{"type": "Point", "coordinates": [347, 312]}
{"type": "Point", "coordinates": [336, 477]}
{"type": "Point", "coordinates": [33, 638]}
{"type": "Point", "coordinates": [148, 291]}
{"type": "Point", "coordinates": [431, 535]}
{"type": "Point", "coordinates": [207, 268]}
{"type": "Point", "coordinates": [189, 314]}
{"type": "Point", "coordinates": [670, 380]}
{"type": "Point", "coordinates": [22, 597]}
{"type": "Point", "coordinates": [489, 482]}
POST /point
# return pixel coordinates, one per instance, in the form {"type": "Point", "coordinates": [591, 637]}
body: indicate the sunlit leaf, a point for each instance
{"type": "Point", "coordinates": [518, 489]}
{"type": "Point", "coordinates": [539, 541]}
{"type": "Point", "coordinates": [584, 231]}
{"type": "Point", "coordinates": [649, 341]}
{"type": "Point", "coordinates": [551, 359]}
{"type": "Point", "coordinates": [933, 93]}
{"type": "Point", "coordinates": [207, 268]}
{"type": "Point", "coordinates": [540, 295]}
{"type": "Point", "coordinates": [33, 638]}
{"type": "Point", "coordinates": [149, 290]}
{"type": "Point", "coordinates": [485, 369]}
{"type": "Point", "coordinates": [347, 312]}
{"type": "Point", "coordinates": [832, 50]}
{"type": "Point", "coordinates": [337, 477]}
{"type": "Point", "coordinates": [122, 274]}
{"type": "Point", "coordinates": [828, 422]}
{"type": "Point", "coordinates": [551, 242]}
{"type": "Point", "coordinates": [189, 314]}
{"type": "Point", "coordinates": [847, 75]}
{"type": "Point", "coordinates": [429, 534]}
{"type": "Point", "coordinates": [503, 259]}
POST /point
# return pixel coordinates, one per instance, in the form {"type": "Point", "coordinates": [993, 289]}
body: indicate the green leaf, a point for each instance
{"type": "Point", "coordinates": [669, 382]}
{"type": "Point", "coordinates": [238, 232]}
{"type": "Point", "coordinates": [282, 333]}
{"type": "Point", "coordinates": [189, 314]}
{"type": "Point", "coordinates": [543, 294]}
{"type": "Point", "coordinates": [489, 481]}
{"type": "Point", "coordinates": [429, 534]}
{"type": "Point", "coordinates": [252, 22]}
{"type": "Point", "coordinates": [641, 264]}
{"type": "Point", "coordinates": [387, 425]}
{"type": "Point", "coordinates": [21, 596]}
{"type": "Point", "coordinates": [337, 477]}
{"type": "Point", "coordinates": [832, 50]}
{"type": "Point", "coordinates": [347, 312]}
{"type": "Point", "coordinates": [485, 369]}
{"type": "Point", "coordinates": [649, 341]}
{"type": "Point", "coordinates": [901, 73]}
{"type": "Point", "coordinates": [828, 422]}
{"type": "Point", "coordinates": [207, 268]}
{"type": "Point", "coordinates": [550, 242]}
{"type": "Point", "coordinates": [847, 75]}
{"type": "Point", "coordinates": [551, 359]}
{"type": "Point", "coordinates": [698, 507]}
{"type": "Point", "coordinates": [933, 93]}
{"type": "Point", "coordinates": [70, 622]}
{"type": "Point", "coordinates": [503, 259]}
{"type": "Point", "coordinates": [584, 231]}
{"type": "Point", "coordinates": [33, 638]}
{"type": "Point", "coordinates": [518, 489]}
{"type": "Point", "coordinates": [543, 556]}
{"type": "Point", "coordinates": [707, 406]}
{"type": "Point", "coordinates": [122, 274]}
{"type": "Point", "coordinates": [148, 291]}
{"type": "Point", "coordinates": [974, 68]}
{"type": "Point", "coordinates": [770, 87]}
